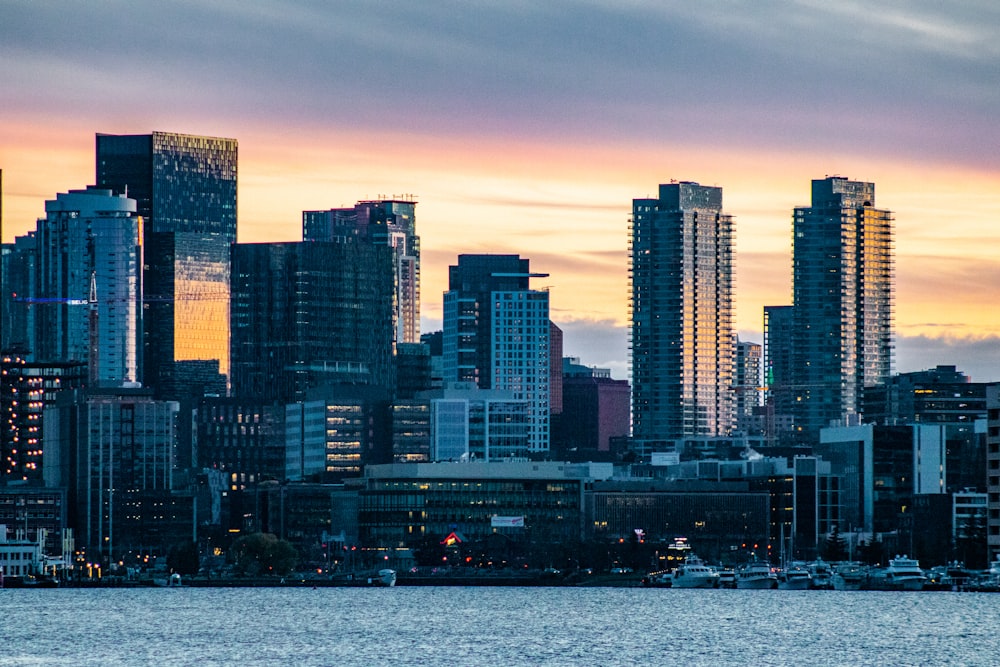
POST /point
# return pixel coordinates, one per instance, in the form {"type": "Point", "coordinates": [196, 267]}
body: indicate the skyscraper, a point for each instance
{"type": "Point", "coordinates": [389, 222]}
{"type": "Point", "coordinates": [181, 182]}
{"type": "Point", "coordinates": [185, 189]}
{"type": "Point", "coordinates": [305, 314]}
{"type": "Point", "coordinates": [842, 293]}
{"type": "Point", "coordinates": [682, 294]}
{"type": "Point", "coordinates": [89, 284]}
{"type": "Point", "coordinates": [496, 333]}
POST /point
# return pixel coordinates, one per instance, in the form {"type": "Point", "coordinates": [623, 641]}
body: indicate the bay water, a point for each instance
{"type": "Point", "coordinates": [431, 626]}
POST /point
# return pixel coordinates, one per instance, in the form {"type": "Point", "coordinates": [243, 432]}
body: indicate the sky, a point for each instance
{"type": "Point", "coordinates": [529, 127]}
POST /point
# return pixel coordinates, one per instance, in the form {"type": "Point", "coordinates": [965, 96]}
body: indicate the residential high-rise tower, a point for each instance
{"type": "Point", "coordinates": [842, 289]}
{"type": "Point", "coordinates": [681, 255]}
{"type": "Point", "coordinates": [389, 222]}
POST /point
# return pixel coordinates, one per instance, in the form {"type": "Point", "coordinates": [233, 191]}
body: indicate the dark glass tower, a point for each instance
{"type": "Point", "coordinates": [682, 293]}
{"type": "Point", "coordinates": [181, 182]}
{"type": "Point", "coordinates": [307, 314]}
{"type": "Point", "coordinates": [185, 189]}
{"type": "Point", "coordinates": [842, 292]}
{"type": "Point", "coordinates": [389, 222]}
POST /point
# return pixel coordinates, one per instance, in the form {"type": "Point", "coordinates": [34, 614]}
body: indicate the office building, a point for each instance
{"type": "Point", "coordinates": [114, 451]}
{"type": "Point", "coordinates": [496, 334]}
{"type": "Point", "coordinates": [180, 182]}
{"type": "Point", "coordinates": [842, 293]}
{"type": "Point", "coordinates": [185, 190]}
{"type": "Point", "coordinates": [681, 256]}
{"type": "Point", "coordinates": [595, 414]}
{"type": "Point", "coordinates": [778, 369]}
{"type": "Point", "coordinates": [336, 432]}
{"type": "Point", "coordinates": [308, 314]}
{"type": "Point", "coordinates": [18, 289]}
{"type": "Point", "coordinates": [389, 222]}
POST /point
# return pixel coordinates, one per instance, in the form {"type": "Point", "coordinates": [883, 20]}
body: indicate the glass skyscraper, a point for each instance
{"type": "Point", "coordinates": [185, 189]}
{"type": "Point", "coordinates": [306, 314]}
{"type": "Point", "coordinates": [842, 293]}
{"type": "Point", "coordinates": [89, 284]}
{"type": "Point", "coordinates": [682, 293]}
{"type": "Point", "coordinates": [389, 222]}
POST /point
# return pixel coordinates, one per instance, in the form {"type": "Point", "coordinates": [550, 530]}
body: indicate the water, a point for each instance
{"type": "Point", "coordinates": [494, 626]}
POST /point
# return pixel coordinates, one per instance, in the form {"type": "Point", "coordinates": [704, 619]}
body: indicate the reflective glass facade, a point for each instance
{"type": "Point", "coordinates": [89, 284]}
{"type": "Point", "coordinates": [185, 188]}
{"type": "Point", "coordinates": [186, 332]}
{"type": "Point", "coordinates": [681, 255]}
{"type": "Point", "coordinates": [842, 294]}
{"type": "Point", "coordinates": [390, 222]}
{"type": "Point", "coordinates": [181, 182]}
{"type": "Point", "coordinates": [307, 313]}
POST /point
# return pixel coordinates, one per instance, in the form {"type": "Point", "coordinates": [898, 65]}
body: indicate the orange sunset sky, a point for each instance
{"type": "Point", "coordinates": [529, 129]}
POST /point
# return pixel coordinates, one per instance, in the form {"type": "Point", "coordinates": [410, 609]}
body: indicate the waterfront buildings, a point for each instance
{"type": "Point", "coordinates": [842, 292]}
{"type": "Point", "coordinates": [389, 222]}
{"type": "Point", "coordinates": [496, 334]}
{"type": "Point", "coordinates": [114, 452]}
{"type": "Point", "coordinates": [887, 472]}
{"type": "Point", "coordinates": [185, 191]}
{"type": "Point", "coordinates": [402, 504]}
{"type": "Point", "coordinates": [681, 254]}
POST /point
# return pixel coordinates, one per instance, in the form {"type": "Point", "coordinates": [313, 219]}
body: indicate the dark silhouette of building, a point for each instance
{"type": "Point", "coordinates": [389, 222]}
{"type": "Point", "coordinates": [307, 314]}
{"type": "Point", "coordinates": [595, 413]}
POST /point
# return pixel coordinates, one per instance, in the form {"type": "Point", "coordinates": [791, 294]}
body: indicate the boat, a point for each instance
{"type": "Point", "coordinates": [755, 575]}
{"type": "Point", "coordinates": [849, 577]}
{"type": "Point", "coordinates": [386, 577]}
{"type": "Point", "coordinates": [795, 577]}
{"type": "Point", "coordinates": [727, 579]}
{"type": "Point", "coordinates": [822, 574]}
{"type": "Point", "coordinates": [902, 574]}
{"type": "Point", "coordinates": [694, 573]}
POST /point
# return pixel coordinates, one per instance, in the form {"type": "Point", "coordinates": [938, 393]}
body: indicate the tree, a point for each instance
{"type": "Point", "coordinates": [263, 553]}
{"type": "Point", "coordinates": [834, 546]}
{"type": "Point", "coordinates": [971, 544]}
{"type": "Point", "coordinates": [184, 558]}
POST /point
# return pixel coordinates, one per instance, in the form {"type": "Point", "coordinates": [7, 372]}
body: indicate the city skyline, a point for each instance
{"type": "Point", "coordinates": [529, 130]}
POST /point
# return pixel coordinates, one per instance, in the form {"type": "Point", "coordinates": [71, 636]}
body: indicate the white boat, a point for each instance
{"type": "Point", "coordinates": [902, 574]}
{"type": "Point", "coordinates": [795, 577]}
{"type": "Point", "coordinates": [755, 575]}
{"type": "Point", "coordinates": [849, 577]}
{"type": "Point", "coordinates": [387, 577]}
{"type": "Point", "coordinates": [693, 573]}
{"type": "Point", "coordinates": [822, 574]}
